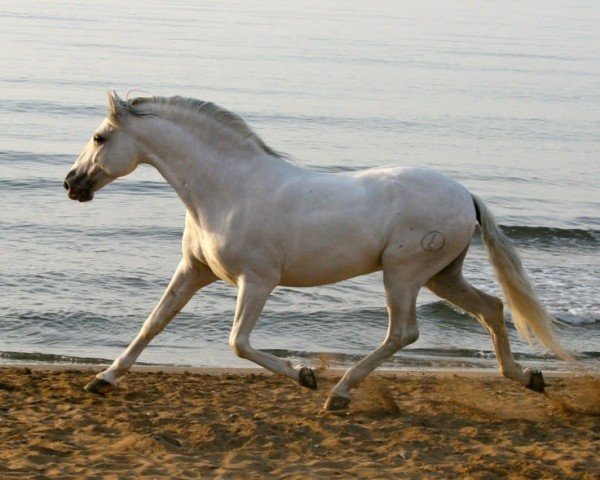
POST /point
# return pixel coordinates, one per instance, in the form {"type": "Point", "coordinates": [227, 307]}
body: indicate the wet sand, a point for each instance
{"type": "Point", "coordinates": [191, 423]}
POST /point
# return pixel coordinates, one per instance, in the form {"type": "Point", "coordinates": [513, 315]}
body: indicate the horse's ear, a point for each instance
{"type": "Point", "coordinates": [115, 107]}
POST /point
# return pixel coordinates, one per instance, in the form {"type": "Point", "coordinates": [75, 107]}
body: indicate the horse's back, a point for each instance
{"type": "Point", "coordinates": [419, 197]}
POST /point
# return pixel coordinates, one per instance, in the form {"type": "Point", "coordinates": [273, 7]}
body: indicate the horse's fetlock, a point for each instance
{"type": "Point", "coordinates": [394, 341]}
{"type": "Point", "coordinates": [411, 337]}
{"type": "Point", "coordinates": [404, 338]}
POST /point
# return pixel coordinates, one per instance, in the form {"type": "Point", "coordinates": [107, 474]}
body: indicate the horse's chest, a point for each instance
{"type": "Point", "coordinates": [212, 250]}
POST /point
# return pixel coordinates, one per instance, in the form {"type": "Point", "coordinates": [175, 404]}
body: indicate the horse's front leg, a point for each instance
{"type": "Point", "coordinates": [252, 297]}
{"type": "Point", "coordinates": [185, 282]}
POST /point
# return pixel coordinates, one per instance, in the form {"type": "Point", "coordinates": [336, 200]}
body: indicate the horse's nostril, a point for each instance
{"type": "Point", "coordinates": [66, 185]}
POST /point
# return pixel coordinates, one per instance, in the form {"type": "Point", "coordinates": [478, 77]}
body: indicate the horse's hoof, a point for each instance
{"type": "Point", "coordinates": [307, 378]}
{"type": "Point", "coordinates": [99, 387]}
{"type": "Point", "coordinates": [536, 381]}
{"type": "Point", "coordinates": [337, 403]}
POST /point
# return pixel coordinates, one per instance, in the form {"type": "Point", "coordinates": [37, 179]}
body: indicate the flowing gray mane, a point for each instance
{"type": "Point", "coordinates": [208, 109]}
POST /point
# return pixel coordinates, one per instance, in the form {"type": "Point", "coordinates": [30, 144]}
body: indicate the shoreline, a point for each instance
{"type": "Point", "coordinates": [319, 363]}
{"type": "Point", "coordinates": [329, 372]}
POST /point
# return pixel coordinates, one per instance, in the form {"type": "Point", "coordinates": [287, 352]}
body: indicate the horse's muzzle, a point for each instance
{"type": "Point", "coordinates": [78, 187]}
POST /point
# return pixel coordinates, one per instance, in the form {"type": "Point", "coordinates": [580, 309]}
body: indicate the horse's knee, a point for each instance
{"type": "Point", "coordinates": [239, 347]}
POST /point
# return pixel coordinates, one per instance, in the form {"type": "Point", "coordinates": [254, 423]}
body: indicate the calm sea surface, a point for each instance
{"type": "Point", "coordinates": [502, 96]}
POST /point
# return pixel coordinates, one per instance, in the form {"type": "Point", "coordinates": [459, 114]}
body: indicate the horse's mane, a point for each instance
{"type": "Point", "coordinates": [210, 110]}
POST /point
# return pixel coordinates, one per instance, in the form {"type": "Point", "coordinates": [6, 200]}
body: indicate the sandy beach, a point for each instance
{"type": "Point", "coordinates": [190, 423]}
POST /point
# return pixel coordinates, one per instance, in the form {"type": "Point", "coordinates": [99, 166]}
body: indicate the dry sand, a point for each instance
{"type": "Point", "coordinates": [226, 424]}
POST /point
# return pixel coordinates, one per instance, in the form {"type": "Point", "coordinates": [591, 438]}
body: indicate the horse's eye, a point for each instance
{"type": "Point", "coordinates": [99, 139]}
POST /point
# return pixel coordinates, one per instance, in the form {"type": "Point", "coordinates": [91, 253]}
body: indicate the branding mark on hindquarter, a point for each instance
{"type": "Point", "coordinates": [433, 241]}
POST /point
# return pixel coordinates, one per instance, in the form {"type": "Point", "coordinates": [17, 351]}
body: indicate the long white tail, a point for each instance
{"type": "Point", "coordinates": [528, 313]}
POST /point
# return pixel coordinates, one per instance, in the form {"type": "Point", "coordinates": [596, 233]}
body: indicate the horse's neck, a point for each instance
{"type": "Point", "coordinates": [207, 177]}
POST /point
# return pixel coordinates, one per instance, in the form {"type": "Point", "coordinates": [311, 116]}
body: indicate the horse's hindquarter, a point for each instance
{"type": "Point", "coordinates": [345, 225]}
{"type": "Point", "coordinates": [436, 221]}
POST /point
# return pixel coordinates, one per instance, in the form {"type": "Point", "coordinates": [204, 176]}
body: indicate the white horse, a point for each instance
{"type": "Point", "coordinates": [256, 221]}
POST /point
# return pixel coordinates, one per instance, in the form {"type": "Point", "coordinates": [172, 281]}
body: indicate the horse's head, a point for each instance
{"type": "Point", "coordinates": [109, 154]}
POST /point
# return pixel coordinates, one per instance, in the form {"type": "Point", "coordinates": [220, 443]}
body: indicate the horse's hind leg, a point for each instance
{"type": "Point", "coordinates": [402, 331]}
{"type": "Point", "coordinates": [450, 285]}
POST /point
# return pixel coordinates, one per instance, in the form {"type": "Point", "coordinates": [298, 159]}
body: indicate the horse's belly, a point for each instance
{"type": "Point", "coordinates": [314, 277]}
{"type": "Point", "coordinates": [332, 265]}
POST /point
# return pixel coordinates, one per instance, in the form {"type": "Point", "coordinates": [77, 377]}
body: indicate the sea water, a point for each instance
{"type": "Point", "coordinates": [502, 96]}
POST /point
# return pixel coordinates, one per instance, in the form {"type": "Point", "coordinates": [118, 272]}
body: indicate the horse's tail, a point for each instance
{"type": "Point", "coordinates": [528, 313]}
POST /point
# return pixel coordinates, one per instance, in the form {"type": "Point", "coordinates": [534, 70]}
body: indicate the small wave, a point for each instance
{"type": "Point", "coordinates": [574, 319]}
{"type": "Point", "coordinates": [152, 231]}
{"type": "Point", "coordinates": [545, 233]}
{"type": "Point", "coordinates": [35, 357]}
{"type": "Point", "coordinates": [548, 237]}
{"type": "Point", "coordinates": [30, 183]}
{"type": "Point", "coordinates": [45, 107]}
{"type": "Point", "coordinates": [443, 311]}
{"type": "Point", "coordinates": [588, 220]}
{"type": "Point", "coordinates": [18, 157]}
